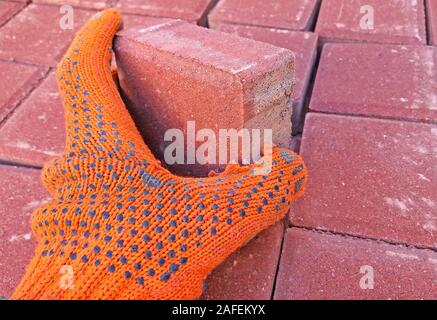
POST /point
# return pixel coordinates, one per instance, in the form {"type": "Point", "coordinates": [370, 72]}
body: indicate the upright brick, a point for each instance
{"type": "Point", "coordinates": [8, 10]}
{"type": "Point", "coordinates": [370, 178]}
{"type": "Point", "coordinates": [188, 10]}
{"type": "Point", "coordinates": [282, 14]}
{"type": "Point", "coordinates": [35, 133]}
{"type": "Point", "coordinates": [92, 4]}
{"type": "Point", "coordinates": [249, 273]}
{"type": "Point", "coordinates": [15, 83]}
{"type": "Point", "coordinates": [432, 20]}
{"type": "Point", "coordinates": [177, 72]}
{"type": "Point", "coordinates": [394, 21]}
{"type": "Point", "coordinates": [304, 47]}
{"type": "Point", "coordinates": [377, 80]}
{"type": "Point", "coordinates": [20, 194]}
{"type": "Point", "coordinates": [35, 35]}
{"type": "Point", "coordinates": [322, 266]}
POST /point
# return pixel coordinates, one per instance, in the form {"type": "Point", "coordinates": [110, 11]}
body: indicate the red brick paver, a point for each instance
{"type": "Point", "coordinates": [15, 83]}
{"type": "Point", "coordinates": [35, 36]}
{"type": "Point", "coordinates": [92, 4]}
{"type": "Point", "coordinates": [8, 10]}
{"type": "Point", "coordinates": [377, 80]}
{"type": "Point", "coordinates": [281, 14]}
{"type": "Point", "coordinates": [322, 266]}
{"type": "Point", "coordinates": [250, 272]}
{"type": "Point", "coordinates": [189, 10]}
{"type": "Point", "coordinates": [302, 44]}
{"type": "Point", "coordinates": [35, 133]}
{"type": "Point", "coordinates": [370, 178]}
{"type": "Point", "coordinates": [219, 80]}
{"type": "Point", "coordinates": [395, 21]}
{"type": "Point", "coordinates": [20, 193]}
{"type": "Point", "coordinates": [431, 6]}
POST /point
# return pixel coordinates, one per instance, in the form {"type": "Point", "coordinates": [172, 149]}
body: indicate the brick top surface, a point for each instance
{"type": "Point", "coordinates": [21, 192]}
{"type": "Point", "coordinates": [377, 80]}
{"type": "Point", "coordinates": [283, 14]}
{"type": "Point", "coordinates": [370, 178]}
{"type": "Point", "coordinates": [395, 21]}
{"type": "Point", "coordinates": [190, 10]}
{"type": "Point", "coordinates": [209, 48]}
{"type": "Point", "coordinates": [323, 266]}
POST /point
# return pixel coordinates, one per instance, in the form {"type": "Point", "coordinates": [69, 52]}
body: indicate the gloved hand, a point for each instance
{"type": "Point", "coordinates": [121, 224]}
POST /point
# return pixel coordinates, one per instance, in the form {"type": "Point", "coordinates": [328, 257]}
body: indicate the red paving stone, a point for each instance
{"type": "Point", "coordinates": [282, 14]}
{"type": "Point", "coordinates": [304, 47]}
{"type": "Point", "coordinates": [377, 80]}
{"type": "Point", "coordinates": [249, 273]}
{"type": "Point", "coordinates": [177, 69]}
{"type": "Point", "coordinates": [370, 178]}
{"type": "Point", "coordinates": [92, 4]}
{"type": "Point", "coordinates": [16, 81]}
{"type": "Point", "coordinates": [8, 10]}
{"type": "Point", "coordinates": [35, 36]}
{"type": "Point", "coordinates": [189, 10]}
{"type": "Point", "coordinates": [322, 266]}
{"type": "Point", "coordinates": [395, 21]}
{"type": "Point", "coordinates": [20, 193]}
{"type": "Point", "coordinates": [431, 6]}
{"type": "Point", "coordinates": [134, 21]}
{"type": "Point", "coordinates": [35, 133]}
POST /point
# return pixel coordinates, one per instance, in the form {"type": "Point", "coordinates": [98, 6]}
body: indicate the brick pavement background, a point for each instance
{"type": "Point", "coordinates": [365, 118]}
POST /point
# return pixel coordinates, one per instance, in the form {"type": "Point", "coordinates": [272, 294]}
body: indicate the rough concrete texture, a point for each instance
{"type": "Point", "coordinates": [304, 47]}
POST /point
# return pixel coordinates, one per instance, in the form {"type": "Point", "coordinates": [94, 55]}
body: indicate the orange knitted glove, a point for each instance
{"type": "Point", "coordinates": [125, 227]}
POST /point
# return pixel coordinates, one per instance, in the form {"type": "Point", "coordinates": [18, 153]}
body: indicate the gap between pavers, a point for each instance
{"type": "Point", "coordinates": [177, 72]}
{"type": "Point", "coordinates": [8, 10]}
{"type": "Point", "coordinates": [15, 84]}
{"type": "Point", "coordinates": [34, 35]}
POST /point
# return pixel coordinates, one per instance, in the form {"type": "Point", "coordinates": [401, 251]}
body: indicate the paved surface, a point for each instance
{"type": "Point", "coordinates": [365, 101]}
